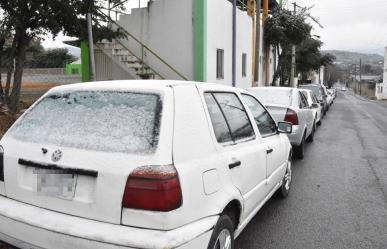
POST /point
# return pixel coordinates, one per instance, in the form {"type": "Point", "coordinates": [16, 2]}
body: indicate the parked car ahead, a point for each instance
{"type": "Point", "coordinates": [320, 93]}
{"type": "Point", "coordinates": [134, 164]}
{"type": "Point", "coordinates": [314, 105]}
{"type": "Point", "coordinates": [290, 105]}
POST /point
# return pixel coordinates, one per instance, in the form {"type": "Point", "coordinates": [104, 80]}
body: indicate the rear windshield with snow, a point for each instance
{"type": "Point", "coordinates": [276, 96]}
{"type": "Point", "coordinates": [124, 122]}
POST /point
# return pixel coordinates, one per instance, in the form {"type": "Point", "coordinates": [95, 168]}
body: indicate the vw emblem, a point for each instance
{"type": "Point", "coordinates": [56, 156]}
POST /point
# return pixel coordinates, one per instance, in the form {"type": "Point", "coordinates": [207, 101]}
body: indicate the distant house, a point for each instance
{"type": "Point", "coordinates": [381, 88]}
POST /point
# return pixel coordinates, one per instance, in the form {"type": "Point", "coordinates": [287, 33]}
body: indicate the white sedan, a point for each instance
{"type": "Point", "coordinates": [314, 105]}
{"type": "Point", "coordinates": [290, 105]}
{"type": "Point", "coordinates": [140, 164]}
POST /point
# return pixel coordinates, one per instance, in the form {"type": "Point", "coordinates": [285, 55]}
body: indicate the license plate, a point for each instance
{"type": "Point", "coordinates": [55, 183]}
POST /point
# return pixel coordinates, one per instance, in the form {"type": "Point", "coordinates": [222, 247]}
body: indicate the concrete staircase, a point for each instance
{"type": "Point", "coordinates": [122, 56]}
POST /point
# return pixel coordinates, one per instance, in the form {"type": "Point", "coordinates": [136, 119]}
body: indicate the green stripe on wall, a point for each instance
{"type": "Point", "coordinates": [200, 40]}
{"type": "Point", "coordinates": [85, 61]}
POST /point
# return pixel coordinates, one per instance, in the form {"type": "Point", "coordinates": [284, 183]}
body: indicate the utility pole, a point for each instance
{"type": "Point", "coordinates": [360, 76]}
{"type": "Point", "coordinates": [293, 70]}
{"type": "Point", "coordinates": [91, 47]}
{"type": "Point", "coordinates": [257, 41]}
{"type": "Point", "coordinates": [267, 49]}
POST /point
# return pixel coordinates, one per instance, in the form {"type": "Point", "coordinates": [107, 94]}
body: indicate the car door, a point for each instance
{"type": "Point", "coordinates": [305, 113]}
{"type": "Point", "coordinates": [271, 139]}
{"type": "Point", "coordinates": [241, 152]}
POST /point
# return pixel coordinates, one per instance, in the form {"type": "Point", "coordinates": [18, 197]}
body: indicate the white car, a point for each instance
{"type": "Point", "coordinates": [140, 164]}
{"type": "Point", "coordinates": [290, 105]}
{"type": "Point", "coordinates": [314, 105]}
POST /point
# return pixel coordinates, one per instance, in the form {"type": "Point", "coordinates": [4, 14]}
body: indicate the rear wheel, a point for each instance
{"type": "Point", "coordinates": [223, 235]}
{"type": "Point", "coordinates": [299, 151]}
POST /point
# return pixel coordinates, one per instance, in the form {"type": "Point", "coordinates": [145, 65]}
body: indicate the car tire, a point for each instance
{"type": "Point", "coordinates": [284, 190]}
{"type": "Point", "coordinates": [223, 234]}
{"type": "Point", "coordinates": [311, 136]}
{"type": "Point", "coordinates": [319, 123]}
{"type": "Point", "coordinates": [299, 151]}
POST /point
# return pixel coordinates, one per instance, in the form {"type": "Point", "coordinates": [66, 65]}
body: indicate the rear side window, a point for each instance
{"type": "Point", "coordinates": [234, 114]}
{"type": "Point", "coordinates": [94, 120]}
{"type": "Point", "coordinates": [222, 132]}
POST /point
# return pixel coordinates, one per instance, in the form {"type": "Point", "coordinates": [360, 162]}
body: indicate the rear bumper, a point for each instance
{"type": "Point", "coordinates": [27, 226]}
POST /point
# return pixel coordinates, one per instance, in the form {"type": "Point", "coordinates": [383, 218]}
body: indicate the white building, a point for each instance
{"type": "Point", "coordinates": [185, 39]}
{"type": "Point", "coordinates": [381, 88]}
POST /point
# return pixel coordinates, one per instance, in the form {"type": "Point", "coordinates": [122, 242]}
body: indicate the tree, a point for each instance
{"type": "Point", "coordinates": [51, 58]}
{"type": "Point", "coordinates": [282, 30]}
{"type": "Point", "coordinates": [30, 19]}
{"type": "Point", "coordinates": [309, 57]}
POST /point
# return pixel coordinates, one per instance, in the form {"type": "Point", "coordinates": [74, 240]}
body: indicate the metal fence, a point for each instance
{"type": "Point", "coordinates": [36, 81]}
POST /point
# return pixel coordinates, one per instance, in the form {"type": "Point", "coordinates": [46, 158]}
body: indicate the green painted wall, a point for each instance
{"type": "Point", "coordinates": [72, 69]}
{"type": "Point", "coordinates": [85, 60]}
{"type": "Point", "coordinates": [200, 40]}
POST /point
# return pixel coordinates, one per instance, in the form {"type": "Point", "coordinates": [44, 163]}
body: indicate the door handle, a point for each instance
{"type": "Point", "coordinates": [234, 164]}
{"type": "Point", "coordinates": [268, 151]}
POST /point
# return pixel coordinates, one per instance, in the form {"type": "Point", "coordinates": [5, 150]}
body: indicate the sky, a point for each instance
{"type": "Point", "coordinates": [352, 25]}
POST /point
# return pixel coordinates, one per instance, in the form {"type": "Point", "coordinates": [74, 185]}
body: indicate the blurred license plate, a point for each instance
{"type": "Point", "coordinates": [56, 183]}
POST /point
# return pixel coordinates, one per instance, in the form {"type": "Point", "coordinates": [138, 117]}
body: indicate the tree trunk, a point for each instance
{"type": "Point", "coordinates": [2, 41]}
{"type": "Point", "coordinates": [22, 42]}
{"type": "Point", "coordinates": [10, 69]}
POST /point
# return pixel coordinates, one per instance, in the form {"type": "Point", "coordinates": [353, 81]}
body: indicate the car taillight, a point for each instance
{"type": "Point", "coordinates": [1, 164]}
{"type": "Point", "coordinates": [291, 117]}
{"type": "Point", "coordinates": [154, 188]}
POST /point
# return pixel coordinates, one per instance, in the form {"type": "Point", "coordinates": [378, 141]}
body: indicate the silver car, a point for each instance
{"type": "Point", "coordinates": [290, 105]}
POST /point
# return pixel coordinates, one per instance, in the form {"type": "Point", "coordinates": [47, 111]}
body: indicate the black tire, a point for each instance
{"type": "Point", "coordinates": [299, 151]}
{"type": "Point", "coordinates": [284, 190]}
{"type": "Point", "coordinates": [224, 224]}
{"type": "Point", "coordinates": [311, 136]}
{"type": "Point", "coordinates": [319, 123]}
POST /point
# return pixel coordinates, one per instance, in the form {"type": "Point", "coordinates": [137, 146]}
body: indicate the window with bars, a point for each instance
{"type": "Point", "coordinates": [220, 64]}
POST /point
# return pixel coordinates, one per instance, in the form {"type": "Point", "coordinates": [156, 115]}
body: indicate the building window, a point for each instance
{"type": "Point", "coordinates": [244, 61]}
{"type": "Point", "coordinates": [220, 64]}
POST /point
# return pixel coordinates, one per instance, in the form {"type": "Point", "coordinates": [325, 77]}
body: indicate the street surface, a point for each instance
{"type": "Point", "coordinates": [339, 192]}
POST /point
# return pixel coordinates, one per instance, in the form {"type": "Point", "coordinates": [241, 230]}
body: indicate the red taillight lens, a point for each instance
{"type": "Point", "coordinates": [155, 188]}
{"type": "Point", "coordinates": [291, 117]}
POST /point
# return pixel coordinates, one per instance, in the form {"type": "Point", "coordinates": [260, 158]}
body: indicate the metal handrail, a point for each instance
{"type": "Point", "coordinates": [138, 58]}
{"type": "Point", "coordinates": [146, 47]}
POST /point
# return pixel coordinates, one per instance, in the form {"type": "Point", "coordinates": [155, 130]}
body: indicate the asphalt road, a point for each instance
{"type": "Point", "coordinates": [339, 192]}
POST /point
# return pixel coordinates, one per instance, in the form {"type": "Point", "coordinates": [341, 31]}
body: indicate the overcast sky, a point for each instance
{"type": "Point", "coordinates": [353, 25]}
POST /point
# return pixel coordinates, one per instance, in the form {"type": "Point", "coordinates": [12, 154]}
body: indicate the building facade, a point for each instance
{"type": "Point", "coordinates": [188, 40]}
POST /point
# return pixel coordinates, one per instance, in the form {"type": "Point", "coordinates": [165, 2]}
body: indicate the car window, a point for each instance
{"type": "Point", "coordinates": [222, 131]}
{"type": "Point", "coordinates": [108, 121]}
{"type": "Point", "coordinates": [303, 102]}
{"type": "Point", "coordinates": [314, 98]}
{"type": "Point", "coordinates": [308, 97]}
{"type": "Point", "coordinates": [264, 121]}
{"type": "Point", "coordinates": [235, 115]}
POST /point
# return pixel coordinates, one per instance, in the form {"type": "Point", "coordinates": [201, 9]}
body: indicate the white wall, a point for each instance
{"type": "Point", "coordinates": [219, 36]}
{"type": "Point", "coordinates": [382, 94]}
{"type": "Point", "coordinates": [165, 27]}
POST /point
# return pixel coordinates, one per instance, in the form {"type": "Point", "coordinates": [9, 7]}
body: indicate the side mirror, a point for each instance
{"type": "Point", "coordinates": [285, 127]}
{"type": "Point", "coordinates": [315, 105]}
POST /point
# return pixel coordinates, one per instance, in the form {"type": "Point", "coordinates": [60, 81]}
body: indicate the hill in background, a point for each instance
{"type": "Point", "coordinates": [346, 58]}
